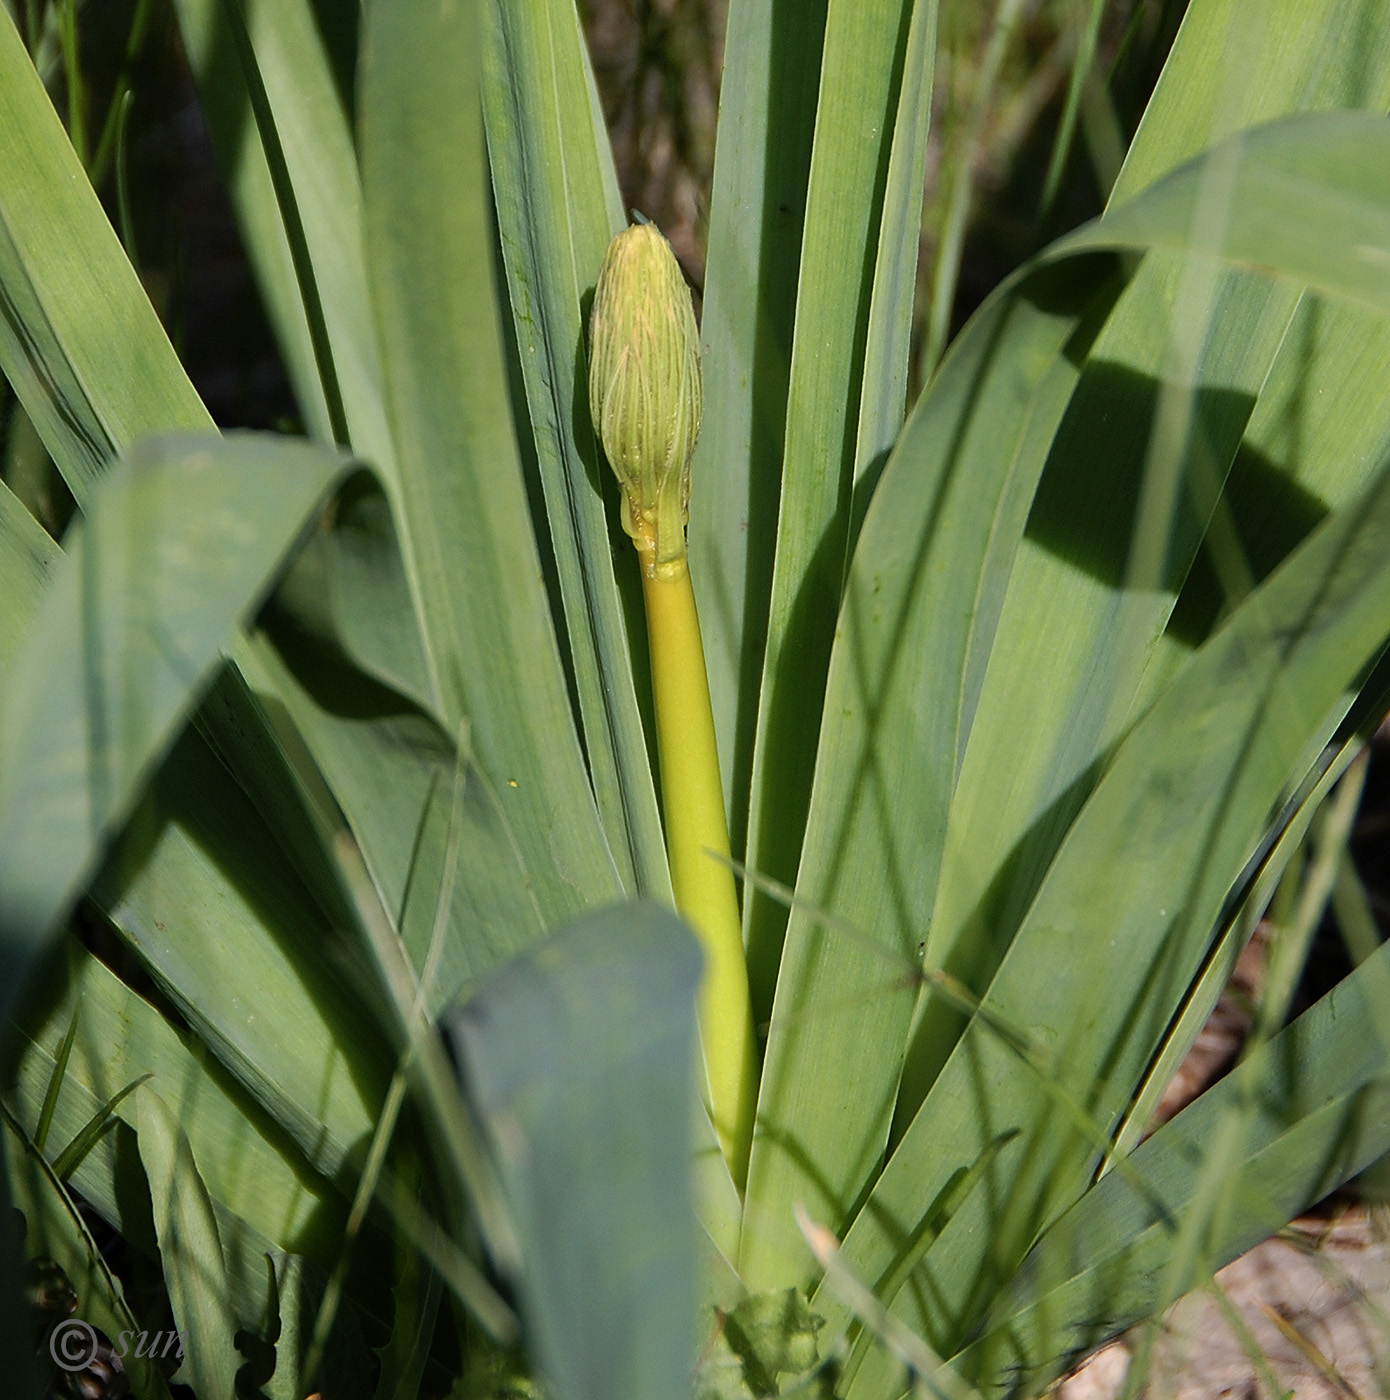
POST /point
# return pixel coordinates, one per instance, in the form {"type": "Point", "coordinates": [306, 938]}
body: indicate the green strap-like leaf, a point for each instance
{"type": "Point", "coordinates": [940, 533]}
{"type": "Point", "coordinates": [79, 340]}
{"type": "Point", "coordinates": [762, 163]}
{"type": "Point", "coordinates": [1157, 420]}
{"type": "Point", "coordinates": [1309, 198]}
{"type": "Point", "coordinates": [202, 889]}
{"type": "Point", "coordinates": [862, 75]}
{"type": "Point", "coordinates": [177, 549]}
{"type": "Point", "coordinates": [191, 1251]}
{"type": "Point", "coordinates": [1127, 909]}
{"type": "Point", "coordinates": [1319, 1102]}
{"type": "Point", "coordinates": [429, 242]}
{"type": "Point", "coordinates": [579, 1058]}
{"type": "Point", "coordinates": [550, 178]}
{"type": "Point", "coordinates": [27, 557]}
{"type": "Point", "coordinates": [267, 1195]}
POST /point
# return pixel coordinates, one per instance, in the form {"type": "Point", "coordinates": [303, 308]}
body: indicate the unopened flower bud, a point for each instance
{"type": "Point", "coordinates": [645, 389]}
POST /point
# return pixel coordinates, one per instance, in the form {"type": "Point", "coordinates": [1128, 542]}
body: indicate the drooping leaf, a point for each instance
{"type": "Point", "coordinates": [177, 549]}
{"type": "Point", "coordinates": [578, 1057]}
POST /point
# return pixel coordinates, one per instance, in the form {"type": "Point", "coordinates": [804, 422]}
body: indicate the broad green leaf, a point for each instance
{"type": "Point", "coordinates": [1155, 424]}
{"type": "Point", "coordinates": [860, 91]}
{"type": "Point", "coordinates": [762, 163]}
{"type": "Point", "coordinates": [555, 220]}
{"type": "Point", "coordinates": [79, 340]}
{"type": "Point", "coordinates": [1237, 64]}
{"type": "Point", "coordinates": [404, 789]}
{"type": "Point", "coordinates": [1077, 622]}
{"type": "Point", "coordinates": [1138, 884]}
{"type": "Point", "coordinates": [429, 247]}
{"type": "Point", "coordinates": [194, 1271]}
{"type": "Point", "coordinates": [579, 1059]}
{"type": "Point", "coordinates": [1309, 199]}
{"type": "Point", "coordinates": [345, 1368]}
{"type": "Point", "coordinates": [922, 589]}
{"type": "Point", "coordinates": [176, 550]}
{"type": "Point", "coordinates": [203, 891]}
{"type": "Point", "coordinates": [1319, 1095]}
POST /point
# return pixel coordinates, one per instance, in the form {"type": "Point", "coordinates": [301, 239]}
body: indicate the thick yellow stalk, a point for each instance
{"type": "Point", "coordinates": [646, 395]}
{"type": "Point", "coordinates": [696, 835]}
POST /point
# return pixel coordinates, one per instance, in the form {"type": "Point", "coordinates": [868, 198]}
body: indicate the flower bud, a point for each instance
{"type": "Point", "coordinates": [645, 388]}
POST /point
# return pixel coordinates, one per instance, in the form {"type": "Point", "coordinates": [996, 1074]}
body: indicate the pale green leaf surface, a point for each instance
{"type": "Point", "coordinates": [177, 549]}
{"type": "Point", "coordinates": [889, 335]}
{"type": "Point", "coordinates": [393, 771]}
{"type": "Point", "coordinates": [27, 558]}
{"type": "Point", "coordinates": [555, 221]}
{"type": "Point", "coordinates": [762, 160]}
{"type": "Point", "coordinates": [203, 891]}
{"type": "Point", "coordinates": [861, 78]}
{"type": "Point", "coordinates": [1319, 1094]}
{"type": "Point", "coordinates": [1321, 425]}
{"type": "Point", "coordinates": [85, 353]}
{"type": "Point", "coordinates": [1075, 630]}
{"type": "Point", "coordinates": [1309, 199]}
{"type": "Point", "coordinates": [1138, 883]}
{"type": "Point", "coordinates": [944, 522]}
{"type": "Point", "coordinates": [579, 1059]}
{"type": "Point", "coordinates": [429, 240]}
{"type": "Point", "coordinates": [1238, 63]}
{"type": "Point", "coordinates": [1158, 418]}
{"type": "Point", "coordinates": [190, 1249]}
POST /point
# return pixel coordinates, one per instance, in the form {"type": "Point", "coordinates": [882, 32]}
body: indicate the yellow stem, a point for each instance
{"type": "Point", "coordinates": [693, 797]}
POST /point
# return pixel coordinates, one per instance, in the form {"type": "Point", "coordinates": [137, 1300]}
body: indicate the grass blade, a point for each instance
{"type": "Point", "coordinates": [1321, 1092]}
